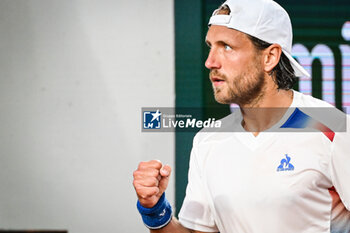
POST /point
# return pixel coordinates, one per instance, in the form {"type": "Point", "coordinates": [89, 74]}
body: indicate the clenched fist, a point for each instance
{"type": "Point", "coordinates": [150, 181]}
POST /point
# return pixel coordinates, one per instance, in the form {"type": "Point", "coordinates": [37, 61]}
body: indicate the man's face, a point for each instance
{"type": "Point", "coordinates": [235, 66]}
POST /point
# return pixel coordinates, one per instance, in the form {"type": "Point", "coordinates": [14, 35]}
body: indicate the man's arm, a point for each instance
{"type": "Point", "coordinates": [150, 181]}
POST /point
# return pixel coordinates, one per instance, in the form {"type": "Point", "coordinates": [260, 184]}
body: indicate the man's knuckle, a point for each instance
{"type": "Point", "coordinates": [141, 165]}
{"type": "Point", "coordinates": [136, 186]}
{"type": "Point", "coordinates": [146, 195]}
{"type": "Point", "coordinates": [156, 163]}
{"type": "Point", "coordinates": [135, 183]}
{"type": "Point", "coordinates": [155, 181]}
{"type": "Point", "coordinates": [154, 173]}
{"type": "Point", "coordinates": [148, 182]}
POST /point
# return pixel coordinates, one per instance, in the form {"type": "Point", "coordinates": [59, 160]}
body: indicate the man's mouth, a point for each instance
{"type": "Point", "coordinates": [217, 81]}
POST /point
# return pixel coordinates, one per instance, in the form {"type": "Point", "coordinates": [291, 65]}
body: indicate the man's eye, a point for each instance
{"type": "Point", "coordinates": [227, 47]}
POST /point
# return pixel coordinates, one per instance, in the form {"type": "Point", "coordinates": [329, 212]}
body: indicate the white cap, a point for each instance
{"type": "Point", "coordinates": [263, 19]}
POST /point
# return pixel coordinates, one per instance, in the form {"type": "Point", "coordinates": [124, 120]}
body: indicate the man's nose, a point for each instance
{"type": "Point", "coordinates": [212, 61]}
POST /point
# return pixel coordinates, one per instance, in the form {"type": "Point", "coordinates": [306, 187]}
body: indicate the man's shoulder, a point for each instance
{"type": "Point", "coordinates": [306, 101]}
{"type": "Point", "coordinates": [321, 111]}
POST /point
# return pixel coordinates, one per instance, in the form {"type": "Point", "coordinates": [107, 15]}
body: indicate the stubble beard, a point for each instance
{"type": "Point", "coordinates": [244, 89]}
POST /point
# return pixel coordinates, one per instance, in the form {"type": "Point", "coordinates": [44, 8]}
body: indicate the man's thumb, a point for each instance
{"type": "Point", "coordinates": [165, 172]}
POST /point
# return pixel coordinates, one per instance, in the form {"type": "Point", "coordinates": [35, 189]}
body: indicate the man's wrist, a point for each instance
{"type": "Point", "coordinates": [158, 216]}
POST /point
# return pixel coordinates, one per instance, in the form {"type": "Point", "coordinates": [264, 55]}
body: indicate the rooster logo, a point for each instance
{"type": "Point", "coordinates": [285, 165]}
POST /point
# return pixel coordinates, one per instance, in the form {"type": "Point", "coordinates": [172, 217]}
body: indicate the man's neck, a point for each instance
{"type": "Point", "coordinates": [270, 108]}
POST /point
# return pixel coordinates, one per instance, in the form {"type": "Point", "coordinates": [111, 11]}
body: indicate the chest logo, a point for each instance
{"type": "Point", "coordinates": [285, 165]}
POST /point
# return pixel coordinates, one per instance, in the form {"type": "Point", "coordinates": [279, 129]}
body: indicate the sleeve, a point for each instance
{"type": "Point", "coordinates": [340, 164]}
{"type": "Point", "coordinates": [195, 212]}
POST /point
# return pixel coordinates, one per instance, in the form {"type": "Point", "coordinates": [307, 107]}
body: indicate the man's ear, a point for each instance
{"type": "Point", "coordinates": [271, 56]}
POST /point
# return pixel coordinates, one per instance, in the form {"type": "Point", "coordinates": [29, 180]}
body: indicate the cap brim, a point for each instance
{"type": "Point", "coordinates": [298, 69]}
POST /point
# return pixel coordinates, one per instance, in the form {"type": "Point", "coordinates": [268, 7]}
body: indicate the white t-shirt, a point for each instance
{"type": "Point", "coordinates": [290, 182]}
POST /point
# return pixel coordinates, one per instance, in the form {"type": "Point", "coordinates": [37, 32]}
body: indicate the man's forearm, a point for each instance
{"type": "Point", "coordinates": [173, 227]}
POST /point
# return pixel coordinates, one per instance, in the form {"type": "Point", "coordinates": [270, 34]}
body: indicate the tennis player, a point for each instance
{"type": "Point", "coordinates": [257, 178]}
